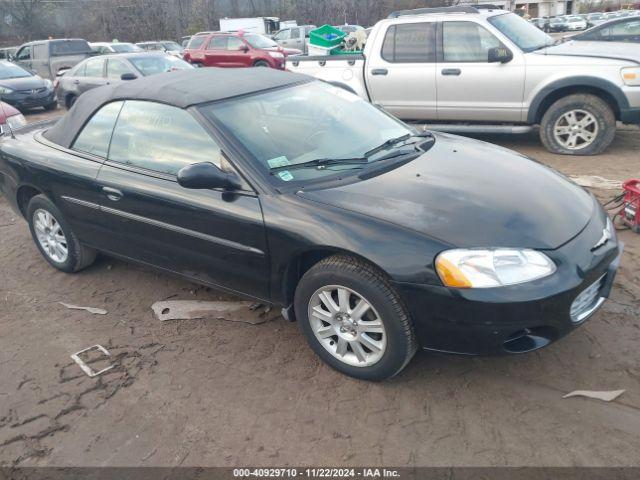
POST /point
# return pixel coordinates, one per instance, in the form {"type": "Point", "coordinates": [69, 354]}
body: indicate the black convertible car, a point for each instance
{"type": "Point", "coordinates": [376, 238]}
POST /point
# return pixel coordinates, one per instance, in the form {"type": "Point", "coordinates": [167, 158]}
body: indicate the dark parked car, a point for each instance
{"type": "Point", "coordinates": [620, 30]}
{"type": "Point", "coordinates": [237, 50]}
{"type": "Point", "coordinates": [47, 58]}
{"type": "Point", "coordinates": [282, 188]}
{"type": "Point", "coordinates": [23, 89]}
{"type": "Point", "coordinates": [108, 69]}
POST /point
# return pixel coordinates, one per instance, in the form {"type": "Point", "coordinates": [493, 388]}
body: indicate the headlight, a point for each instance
{"type": "Point", "coordinates": [48, 83]}
{"type": "Point", "coordinates": [16, 121]}
{"type": "Point", "coordinates": [276, 54]}
{"type": "Point", "coordinates": [5, 90]}
{"type": "Point", "coordinates": [495, 267]}
{"type": "Point", "coordinates": [631, 76]}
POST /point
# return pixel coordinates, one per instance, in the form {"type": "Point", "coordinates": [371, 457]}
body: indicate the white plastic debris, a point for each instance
{"type": "Point", "coordinates": [247, 312]}
{"type": "Point", "coordinates": [594, 181]}
{"type": "Point", "coordinates": [95, 311]}
{"type": "Point", "coordinates": [86, 368]}
{"type": "Point", "coordinates": [604, 396]}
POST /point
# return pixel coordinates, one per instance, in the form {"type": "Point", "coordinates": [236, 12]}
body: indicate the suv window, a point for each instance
{"type": "Point", "coordinates": [410, 43]}
{"type": "Point", "coordinates": [94, 67]}
{"type": "Point", "coordinates": [234, 43]}
{"type": "Point", "coordinates": [196, 41]}
{"type": "Point", "coordinates": [69, 47]}
{"type": "Point", "coordinates": [283, 35]}
{"type": "Point", "coordinates": [467, 42]}
{"type": "Point", "coordinates": [115, 68]}
{"type": "Point", "coordinates": [631, 28]}
{"type": "Point", "coordinates": [161, 138]}
{"type": "Point", "coordinates": [217, 43]}
{"type": "Point", "coordinates": [40, 51]}
{"type": "Point", "coordinates": [24, 53]}
{"type": "Point", "coordinates": [295, 32]}
{"type": "Point", "coordinates": [96, 134]}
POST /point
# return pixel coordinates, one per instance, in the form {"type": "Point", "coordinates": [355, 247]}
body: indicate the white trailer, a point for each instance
{"type": "Point", "coordinates": [261, 25]}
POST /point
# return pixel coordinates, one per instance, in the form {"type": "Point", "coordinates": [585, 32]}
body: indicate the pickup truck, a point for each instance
{"type": "Point", "coordinates": [48, 58]}
{"type": "Point", "coordinates": [476, 70]}
{"type": "Point", "coordinates": [294, 37]}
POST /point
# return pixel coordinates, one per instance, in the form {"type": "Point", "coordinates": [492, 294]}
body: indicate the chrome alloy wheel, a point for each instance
{"type": "Point", "coordinates": [50, 236]}
{"type": "Point", "coordinates": [576, 129]}
{"type": "Point", "coordinates": [347, 325]}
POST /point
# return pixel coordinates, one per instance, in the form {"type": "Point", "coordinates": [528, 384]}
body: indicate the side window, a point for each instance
{"type": "Point", "coordinates": [24, 53]}
{"type": "Point", "coordinates": [94, 67]}
{"type": "Point", "coordinates": [626, 28]}
{"type": "Point", "coordinates": [234, 43]}
{"type": "Point", "coordinates": [217, 43]}
{"type": "Point", "coordinates": [467, 42]}
{"type": "Point", "coordinates": [410, 43]}
{"type": "Point", "coordinates": [161, 138]}
{"type": "Point", "coordinates": [96, 134]}
{"type": "Point", "coordinates": [115, 68]}
{"type": "Point", "coordinates": [196, 41]}
{"type": "Point", "coordinates": [295, 33]}
{"type": "Point", "coordinates": [40, 51]}
{"type": "Point", "coordinates": [283, 35]}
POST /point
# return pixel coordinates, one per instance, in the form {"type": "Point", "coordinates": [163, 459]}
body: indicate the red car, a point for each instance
{"type": "Point", "coordinates": [10, 118]}
{"type": "Point", "coordinates": [236, 49]}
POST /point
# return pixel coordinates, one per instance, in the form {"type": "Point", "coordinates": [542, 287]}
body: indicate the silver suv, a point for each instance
{"type": "Point", "coordinates": [470, 69]}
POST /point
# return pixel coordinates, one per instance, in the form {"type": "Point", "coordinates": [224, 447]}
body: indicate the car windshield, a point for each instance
{"type": "Point", "coordinates": [260, 41]}
{"type": "Point", "coordinates": [306, 123]}
{"type": "Point", "coordinates": [171, 46]}
{"type": "Point", "coordinates": [153, 64]}
{"type": "Point", "coordinates": [125, 47]}
{"type": "Point", "coordinates": [527, 37]}
{"type": "Point", "coordinates": [10, 70]}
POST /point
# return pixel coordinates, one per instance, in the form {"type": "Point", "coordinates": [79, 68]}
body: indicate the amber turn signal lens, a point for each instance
{"type": "Point", "coordinates": [451, 275]}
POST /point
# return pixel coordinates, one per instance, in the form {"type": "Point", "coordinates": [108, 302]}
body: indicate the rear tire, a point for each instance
{"type": "Point", "coordinates": [374, 342]}
{"type": "Point", "coordinates": [54, 237]}
{"type": "Point", "coordinates": [579, 124]}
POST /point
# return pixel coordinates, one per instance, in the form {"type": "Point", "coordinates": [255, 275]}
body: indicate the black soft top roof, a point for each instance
{"type": "Point", "coordinates": [183, 88]}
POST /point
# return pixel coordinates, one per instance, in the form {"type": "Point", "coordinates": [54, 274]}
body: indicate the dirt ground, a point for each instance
{"type": "Point", "coordinates": [219, 393]}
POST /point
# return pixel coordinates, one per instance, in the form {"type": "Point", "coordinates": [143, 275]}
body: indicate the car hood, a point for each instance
{"type": "Point", "coordinates": [468, 193]}
{"type": "Point", "coordinates": [617, 50]}
{"type": "Point", "coordinates": [24, 83]}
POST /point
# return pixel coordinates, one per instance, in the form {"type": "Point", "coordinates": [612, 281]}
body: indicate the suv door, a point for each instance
{"type": "Point", "coordinates": [471, 88]}
{"type": "Point", "coordinates": [213, 236]}
{"type": "Point", "coordinates": [40, 60]}
{"type": "Point", "coordinates": [402, 76]}
{"type": "Point", "coordinates": [238, 53]}
{"type": "Point", "coordinates": [24, 57]}
{"type": "Point", "coordinates": [215, 54]}
{"type": "Point", "coordinates": [282, 37]}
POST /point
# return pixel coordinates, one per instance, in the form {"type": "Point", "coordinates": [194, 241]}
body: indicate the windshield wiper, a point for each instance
{"type": "Point", "coordinates": [394, 141]}
{"type": "Point", "coordinates": [320, 162]}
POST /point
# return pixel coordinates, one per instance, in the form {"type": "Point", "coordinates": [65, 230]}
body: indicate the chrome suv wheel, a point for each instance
{"type": "Point", "coordinates": [347, 326]}
{"type": "Point", "coordinates": [576, 129]}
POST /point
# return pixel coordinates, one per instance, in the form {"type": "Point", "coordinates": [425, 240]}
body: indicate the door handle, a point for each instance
{"type": "Point", "coordinates": [379, 71]}
{"type": "Point", "coordinates": [112, 194]}
{"type": "Point", "coordinates": [451, 71]}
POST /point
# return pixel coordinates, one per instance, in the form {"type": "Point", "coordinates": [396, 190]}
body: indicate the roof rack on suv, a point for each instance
{"type": "Point", "coordinates": [453, 9]}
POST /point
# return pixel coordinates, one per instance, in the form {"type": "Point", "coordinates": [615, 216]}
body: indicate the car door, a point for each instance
{"type": "Point", "coordinates": [238, 53]}
{"type": "Point", "coordinates": [94, 75]}
{"type": "Point", "coordinates": [24, 57]}
{"type": "Point", "coordinates": [282, 37]}
{"type": "Point", "coordinates": [401, 73]}
{"type": "Point", "coordinates": [74, 178]}
{"type": "Point", "coordinates": [116, 68]}
{"type": "Point", "coordinates": [40, 59]}
{"type": "Point", "coordinates": [469, 87]}
{"type": "Point", "coordinates": [213, 236]}
{"type": "Point", "coordinates": [216, 54]}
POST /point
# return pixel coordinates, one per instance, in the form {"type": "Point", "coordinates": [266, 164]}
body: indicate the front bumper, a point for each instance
{"type": "Point", "coordinates": [630, 116]}
{"type": "Point", "coordinates": [23, 99]}
{"type": "Point", "coordinates": [518, 318]}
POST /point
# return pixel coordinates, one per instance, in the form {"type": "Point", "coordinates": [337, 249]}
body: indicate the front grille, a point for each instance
{"type": "Point", "coordinates": [34, 91]}
{"type": "Point", "coordinates": [587, 301]}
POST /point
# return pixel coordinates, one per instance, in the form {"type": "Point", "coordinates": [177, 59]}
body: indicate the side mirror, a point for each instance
{"type": "Point", "coordinates": [500, 55]}
{"type": "Point", "coordinates": [244, 48]}
{"type": "Point", "coordinates": [206, 175]}
{"type": "Point", "coordinates": [128, 76]}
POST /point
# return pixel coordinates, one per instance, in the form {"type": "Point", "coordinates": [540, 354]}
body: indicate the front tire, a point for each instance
{"type": "Point", "coordinates": [353, 319]}
{"type": "Point", "coordinates": [51, 106]}
{"type": "Point", "coordinates": [54, 237]}
{"type": "Point", "coordinates": [261, 63]}
{"type": "Point", "coordinates": [579, 124]}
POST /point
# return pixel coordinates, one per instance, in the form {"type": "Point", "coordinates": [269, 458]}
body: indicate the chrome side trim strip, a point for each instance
{"type": "Point", "coordinates": [166, 226]}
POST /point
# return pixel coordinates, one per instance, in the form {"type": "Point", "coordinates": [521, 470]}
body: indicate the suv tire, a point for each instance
{"type": "Point", "coordinates": [57, 242]}
{"type": "Point", "coordinates": [374, 342]}
{"type": "Point", "coordinates": [579, 124]}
